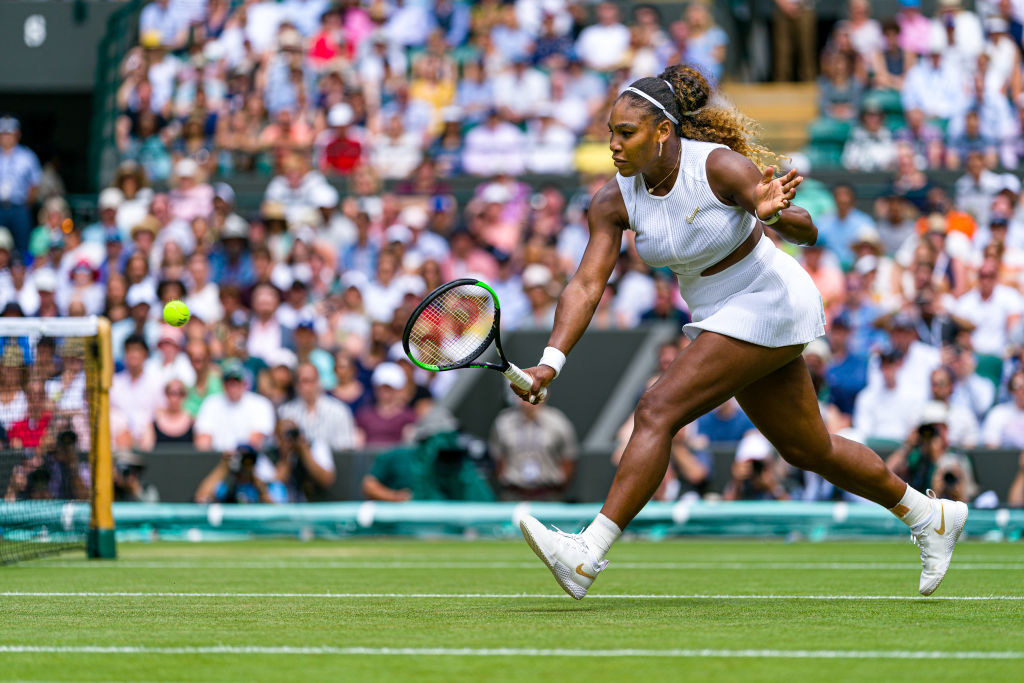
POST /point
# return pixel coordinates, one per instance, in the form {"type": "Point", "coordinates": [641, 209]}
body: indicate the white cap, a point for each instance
{"type": "Point", "coordinates": [451, 114]}
{"type": "Point", "coordinates": [495, 194]}
{"type": "Point", "coordinates": [414, 216]}
{"type": "Point", "coordinates": [753, 446]}
{"type": "Point", "coordinates": [186, 168]}
{"type": "Point", "coordinates": [867, 235]}
{"type": "Point", "coordinates": [933, 412]}
{"type": "Point", "coordinates": [45, 280]}
{"type": "Point", "coordinates": [398, 233]}
{"type": "Point", "coordinates": [353, 278]}
{"type": "Point", "coordinates": [138, 294]}
{"type": "Point", "coordinates": [6, 239]}
{"type": "Point", "coordinates": [110, 198]}
{"type": "Point", "coordinates": [324, 196]}
{"type": "Point", "coordinates": [818, 347]}
{"type": "Point", "coordinates": [866, 264]}
{"type": "Point", "coordinates": [389, 374]}
{"type": "Point", "coordinates": [235, 226]}
{"type": "Point", "coordinates": [340, 115]}
{"type": "Point", "coordinates": [282, 356]}
{"type": "Point", "coordinates": [536, 275]}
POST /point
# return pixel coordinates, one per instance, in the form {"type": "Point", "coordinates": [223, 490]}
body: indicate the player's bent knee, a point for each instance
{"type": "Point", "coordinates": [651, 414]}
{"type": "Point", "coordinates": [812, 457]}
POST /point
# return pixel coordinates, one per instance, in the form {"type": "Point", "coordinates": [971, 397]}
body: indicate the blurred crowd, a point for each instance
{"type": "Point", "coordinates": [293, 349]}
{"type": "Point", "coordinates": [924, 92]}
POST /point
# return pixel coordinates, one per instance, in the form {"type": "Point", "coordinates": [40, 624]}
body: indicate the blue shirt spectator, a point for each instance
{"type": "Point", "coordinates": [19, 176]}
{"type": "Point", "coordinates": [725, 424]}
{"type": "Point", "coordinates": [837, 230]}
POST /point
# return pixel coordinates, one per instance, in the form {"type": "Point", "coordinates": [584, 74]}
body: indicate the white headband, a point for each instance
{"type": "Point", "coordinates": [655, 102]}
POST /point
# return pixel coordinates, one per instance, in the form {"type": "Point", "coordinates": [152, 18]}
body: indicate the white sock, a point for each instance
{"type": "Point", "coordinates": [600, 535]}
{"type": "Point", "coordinates": [915, 509]}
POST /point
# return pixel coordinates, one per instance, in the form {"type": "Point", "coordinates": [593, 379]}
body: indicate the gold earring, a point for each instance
{"type": "Point", "coordinates": [660, 145]}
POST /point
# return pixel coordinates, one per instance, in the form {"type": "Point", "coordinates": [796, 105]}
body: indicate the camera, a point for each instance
{"type": "Point", "coordinates": [927, 432]}
{"type": "Point", "coordinates": [292, 434]}
{"type": "Point", "coordinates": [950, 478]}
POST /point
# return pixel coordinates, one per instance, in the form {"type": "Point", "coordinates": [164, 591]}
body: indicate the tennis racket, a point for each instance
{"type": "Point", "coordinates": [454, 325]}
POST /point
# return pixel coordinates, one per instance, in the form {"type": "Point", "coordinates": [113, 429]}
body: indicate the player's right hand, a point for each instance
{"type": "Point", "coordinates": [542, 376]}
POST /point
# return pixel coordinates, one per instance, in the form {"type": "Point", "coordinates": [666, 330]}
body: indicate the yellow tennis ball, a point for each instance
{"type": "Point", "coordinates": [176, 313]}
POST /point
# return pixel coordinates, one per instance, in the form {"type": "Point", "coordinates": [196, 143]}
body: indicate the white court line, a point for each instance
{"type": "Point", "coordinates": [742, 566]}
{"type": "Point", "coordinates": [499, 596]}
{"type": "Point", "coordinates": [509, 652]}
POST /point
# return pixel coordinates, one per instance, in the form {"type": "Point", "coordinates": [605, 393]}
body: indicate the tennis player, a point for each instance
{"type": "Point", "coordinates": [689, 187]}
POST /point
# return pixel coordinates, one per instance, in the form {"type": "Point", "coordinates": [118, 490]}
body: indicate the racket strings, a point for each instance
{"type": "Point", "coordinates": [451, 329]}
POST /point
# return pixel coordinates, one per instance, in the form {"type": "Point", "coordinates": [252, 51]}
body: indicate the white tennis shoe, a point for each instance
{"type": "Point", "coordinates": [566, 555]}
{"type": "Point", "coordinates": [937, 541]}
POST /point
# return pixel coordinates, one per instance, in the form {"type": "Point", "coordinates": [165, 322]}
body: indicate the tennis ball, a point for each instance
{"type": "Point", "coordinates": [176, 313]}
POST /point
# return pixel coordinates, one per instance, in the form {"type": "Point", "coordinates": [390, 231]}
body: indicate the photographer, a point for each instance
{"type": "Point", "coordinates": [128, 485]}
{"type": "Point", "coordinates": [925, 461]}
{"type": "Point", "coordinates": [304, 471]}
{"type": "Point", "coordinates": [234, 480]}
{"type": "Point", "coordinates": [754, 472]}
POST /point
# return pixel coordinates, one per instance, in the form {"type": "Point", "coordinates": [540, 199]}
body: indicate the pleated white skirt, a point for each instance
{"type": "Point", "coordinates": [766, 299]}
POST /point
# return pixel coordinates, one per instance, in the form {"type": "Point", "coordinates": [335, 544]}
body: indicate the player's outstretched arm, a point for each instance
{"type": "Point", "coordinates": [607, 219]}
{"type": "Point", "coordinates": [736, 180]}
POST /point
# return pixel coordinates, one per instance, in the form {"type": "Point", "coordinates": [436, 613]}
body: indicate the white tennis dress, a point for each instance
{"type": "Point", "coordinates": [766, 298]}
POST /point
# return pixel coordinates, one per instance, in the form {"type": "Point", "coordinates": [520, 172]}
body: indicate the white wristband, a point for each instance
{"type": "Point", "coordinates": [553, 358]}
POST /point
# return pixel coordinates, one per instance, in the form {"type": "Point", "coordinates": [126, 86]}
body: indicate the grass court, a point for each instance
{"type": "Point", "coordinates": [377, 609]}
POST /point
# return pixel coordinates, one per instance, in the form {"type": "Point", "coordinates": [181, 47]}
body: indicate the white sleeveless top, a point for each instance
{"type": "Point", "coordinates": [688, 229]}
{"type": "Point", "coordinates": [765, 298]}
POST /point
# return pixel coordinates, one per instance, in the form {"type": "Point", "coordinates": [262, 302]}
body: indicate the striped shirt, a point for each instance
{"type": "Point", "coordinates": [330, 421]}
{"type": "Point", "coordinates": [19, 173]}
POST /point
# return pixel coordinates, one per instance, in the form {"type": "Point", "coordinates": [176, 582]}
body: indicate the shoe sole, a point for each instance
{"type": "Point", "coordinates": [532, 542]}
{"type": "Point", "coordinates": [957, 530]}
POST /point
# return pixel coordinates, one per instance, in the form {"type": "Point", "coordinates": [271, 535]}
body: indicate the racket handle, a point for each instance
{"type": "Point", "coordinates": [523, 380]}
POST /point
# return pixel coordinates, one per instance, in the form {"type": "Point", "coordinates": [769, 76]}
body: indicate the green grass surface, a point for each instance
{"type": "Point", "coordinates": [530, 613]}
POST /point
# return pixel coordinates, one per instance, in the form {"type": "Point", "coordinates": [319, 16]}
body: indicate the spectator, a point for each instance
{"type": "Point", "coordinates": [30, 431]}
{"type": "Point", "coordinates": [323, 419]}
{"type": "Point", "coordinates": [208, 379]}
{"type": "Point", "coordinates": [384, 422]}
{"type": "Point", "coordinates": [129, 486]}
{"type": "Point", "coordinates": [865, 32]}
{"type": "Point", "coordinates": [349, 389]}
{"type": "Point", "coordinates": [340, 149]}
{"type": "Point", "coordinates": [753, 474]}
{"type": "Point", "coordinates": [166, 20]}
{"type": "Point", "coordinates": [494, 147]}
{"type": "Point", "coordinates": [915, 28]}
{"type": "Point", "coordinates": [838, 230]}
{"type": "Point", "coordinates": [725, 424]}
{"type": "Point", "coordinates": [839, 93]}
{"type": "Point", "coordinates": [136, 391]}
{"type": "Point", "coordinates": [970, 389]}
{"type": "Point", "coordinates": [234, 479]}
{"type": "Point", "coordinates": [551, 146]}
{"type": "Point", "coordinates": [993, 309]}
{"type": "Point", "coordinates": [666, 292]}
{"type": "Point", "coordinates": [794, 25]}
{"type": "Point", "coordinates": [305, 470]}
{"type": "Point", "coordinates": [139, 299]}
{"type": "Point", "coordinates": [19, 178]}
{"type": "Point", "coordinates": [963, 428]}
{"type": "Point", "coordinates": [846, 370]}
{"type": "Point", "coordinates": [235, 417]}
{"type": "Point", "coordinates": [1004, 425]}
{"type": "Point", "coordinates": [882, 411]}
{"type": "Point", "coordinates": [191, 198]}
{"type": "Point", "coordinates": [976, 189]}
{"type": "Point", "coordinates": [266, 335]}
{"type": "Point", "coordinates": [924, 458]}
{"type": "Point", "coordinates": [934, 85]}
{"type": "Point", "coordinates": [924, 139]}
{"type": "Point", "coordinates": [170, 362]}
{"type": "Point", "coordinates": [891, 61]}
{"type": "Point", "coordinates": [437, 466]}
{"type": "Point", "coordinates": [535, 451]}
{"type": "Point", "coordinates": [171, 424]}
{"type": "Point", "coordinates": [870, 145]}
{"type": "Point", "coordinates": [603, 45]}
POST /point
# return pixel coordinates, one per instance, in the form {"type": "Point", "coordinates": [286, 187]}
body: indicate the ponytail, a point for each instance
{"type": "Point", "coordinates": [681, 93]}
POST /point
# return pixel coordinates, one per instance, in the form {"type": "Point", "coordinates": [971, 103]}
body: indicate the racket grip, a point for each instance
{"type": "Point", "coordinates": [522, 380]}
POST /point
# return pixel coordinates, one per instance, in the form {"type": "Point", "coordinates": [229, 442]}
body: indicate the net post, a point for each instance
{"type": "Point", "coordinates": [100, 542]}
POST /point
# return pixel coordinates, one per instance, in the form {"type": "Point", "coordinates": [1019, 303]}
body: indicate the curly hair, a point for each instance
{"type": "Point", "coordinates": [686, 95]}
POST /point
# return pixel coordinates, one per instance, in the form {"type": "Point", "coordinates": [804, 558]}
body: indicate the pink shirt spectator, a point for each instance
{"type": "Point", "coordinates": [915, 31]}
{"type": "Point", "coordinates": [195, 202]}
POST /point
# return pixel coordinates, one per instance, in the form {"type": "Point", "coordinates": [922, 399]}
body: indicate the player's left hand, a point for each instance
{"type": "Point", "coordinates": [542, 377]}
{"type": "Point", "coordinates": [775, 194]}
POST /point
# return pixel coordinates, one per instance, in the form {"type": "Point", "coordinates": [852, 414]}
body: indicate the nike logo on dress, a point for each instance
{"type": "Point", "coordinates": [579, 570]}
{"type": "Point", "coordinates": [942, 527]}
{"type": "Point", "coordinates": [689, 219]}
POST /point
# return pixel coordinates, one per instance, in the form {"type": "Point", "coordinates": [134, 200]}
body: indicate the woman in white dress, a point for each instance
{"type": "Point", "coordinates": [697, 191]}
